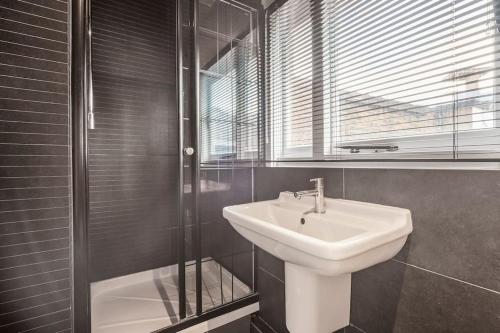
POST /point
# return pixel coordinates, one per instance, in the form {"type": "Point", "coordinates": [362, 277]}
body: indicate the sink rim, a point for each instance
{"type": "Point", "coordinates": [330, 250]}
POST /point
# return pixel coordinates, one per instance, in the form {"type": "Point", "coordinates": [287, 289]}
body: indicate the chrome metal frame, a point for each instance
{"type": "Point", "coordinates": [80, 99]}
{"type": "Point", "coordinates": [79, 106]}
{"type": "Point", "coordinates": [90, 78]}
{"type": "Point", "coordinates": [180, 174]}
{"type": "Point", "coordinates": [197, 156]}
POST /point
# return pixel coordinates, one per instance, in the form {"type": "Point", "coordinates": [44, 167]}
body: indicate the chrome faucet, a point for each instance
{"type": "Point", "coordinates": [319, 196]}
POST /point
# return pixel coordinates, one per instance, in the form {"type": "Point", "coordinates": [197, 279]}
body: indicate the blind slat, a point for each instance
{"type": "Point", "coordinates": [421, 74]}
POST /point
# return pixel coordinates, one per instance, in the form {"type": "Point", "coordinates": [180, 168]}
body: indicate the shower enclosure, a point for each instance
{"type": "Point", "coordinates": [171, 132]}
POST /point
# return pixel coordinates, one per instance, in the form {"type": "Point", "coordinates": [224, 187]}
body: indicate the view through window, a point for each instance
{"type": "Point", "coordinates": [383, 79]}
{"type": "Point", "coordinates": [229, 81]}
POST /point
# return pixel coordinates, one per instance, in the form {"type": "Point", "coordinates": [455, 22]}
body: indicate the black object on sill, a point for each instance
{"type": "Point", "coordinates": [375, 148]}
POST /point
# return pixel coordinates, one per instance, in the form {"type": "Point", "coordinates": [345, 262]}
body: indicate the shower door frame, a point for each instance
{"type": "Point", "coordinates": [80, 80]}
{"type": "Point", "coordinates": [79, 106]}
{"type": "Point", "coordinates": [80, 76]}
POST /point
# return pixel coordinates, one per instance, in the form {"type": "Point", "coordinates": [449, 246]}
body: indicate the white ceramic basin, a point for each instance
{"type": "Point", "coordinates": [320, 254]}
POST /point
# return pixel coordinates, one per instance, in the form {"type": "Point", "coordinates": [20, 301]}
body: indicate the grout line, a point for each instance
{"type": "Point", "coordinates": [446, 276]}
{"type": "Point", "coordinates": [33, 177]}
{"type": "Point", "coordinates": [49, 8]}
{"type": "Point", "coordinates": [33, 25]}
{"type": "Point", "coordinates": [36, 274]}
{"type": "Point", "coordinates": [31, 101]}
{"type": "Point", "coordinates": [37, 306]}
{"type": "Point", "coordinates": [32, 79]}
{"type": "Point", "coordinates": [35, 242]}
{"type": "Point", "coordinates": [35, 263]}
{"type": "Point", "coordinates": [343, 183]}
{"type": "Point", "coordinates": [65, 330]}
{"type": "Point", "coordinates": [34, 90]}
{"type": "Point", "coordinates": [32, 253]}
{"type": "Point", "coordinates": [34, 165]}
{"type": "Point", "coordinates": [356, 327]}
{"type": "Point", "coordinates": [35, 58]}
{"type": "Point", "coordinates": [255, 327]}
{"type": "Point", "coordinates": [34, 47]}
{"type": "Point", "coordinates": [42, 326]}
{"type": "Point", "coordinates": [32, 198]}
{"type": "Point", "coordinates": [37, 112]}
{"type": "Point", "coordinates": [31, 14]}
{"type": "Point", "coordinates": [35, 285]}
{"type": "Point", "coordinates": [31, 187]}
{"type": "Point", "coordinates": [36, 295]}
{"type": "Point", "coordinates": [36, 221]}
{"type": "Point", "coordinates": [33, 209]}
{"type": "Point", "coordinates": [269, 273]}
{"type": "Point", "coordinates": [29, 232]}
{"type": "Point", "coordinates": [266, 323]}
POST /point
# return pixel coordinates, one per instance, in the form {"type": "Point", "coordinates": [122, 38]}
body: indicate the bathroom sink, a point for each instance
{"type": "Point", "coordinates": [321, 250]}
{"type": "Point", "coordinates": [350, 236]}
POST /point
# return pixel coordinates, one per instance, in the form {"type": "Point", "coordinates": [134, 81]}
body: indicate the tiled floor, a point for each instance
{"type": "Point", "coordinates": [147, 301]}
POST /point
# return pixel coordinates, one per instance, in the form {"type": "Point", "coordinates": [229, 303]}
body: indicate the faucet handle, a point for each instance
{"type": "Point", "coordinates": [318, 182]}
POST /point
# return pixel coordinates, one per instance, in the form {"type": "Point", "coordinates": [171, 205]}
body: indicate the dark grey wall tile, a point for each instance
{"type": "Point", "coordinates": [221, 187]}
{"type": "Point", "coordinates": [48, 11]}
{"type": "Point", "coordinates": [49, 322]}
{"type": "Point", "coordinates": [36, 300]}
{"type": "Point", "coordinates": [271, 264]}
{"type": "Point", "coordinates": [24, 292]}
{"type": "Point", "coordinates": [133, 159]}
{"type": "Point", "coordinates": [35, 246]}
{"type": "Point", "coordinates": [254, 328]}
{"type": "Point", "coordinates": [19, 28]}
{"type": "Point", "coordinates": [31, 105]}
{"type": "Point", "coordinates": [59, 305]}
{"type": "Point", "coordinates": [455, 217]}
{"type": "Point", "coordinates": [394, 297]}
{"type": "Point", "coordinates": [269, 182]}
{"type": "Point", "coordinates": [260, 326]}
{"type": "Point", "coordinates": [35, 266]}
{"type": "Point", "coordinates": [272, 301]}
{"type": "Point", "coordinates": [34, 64]}
{"type": "Point", "coordinates": [243, 267]}
{"type": "Point", "coordinates": [352, 329]}
{"type": "Point", "coordinates": [33, 214]}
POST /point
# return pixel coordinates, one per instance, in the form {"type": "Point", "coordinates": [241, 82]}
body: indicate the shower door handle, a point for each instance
{"type": "Point", "coordinates": [188, 151]}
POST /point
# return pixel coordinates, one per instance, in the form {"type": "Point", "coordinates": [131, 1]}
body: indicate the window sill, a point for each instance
{"type": "Point", "coordinates": [433, 165]}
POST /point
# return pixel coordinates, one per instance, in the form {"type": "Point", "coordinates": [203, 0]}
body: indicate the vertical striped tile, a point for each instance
{"type": "Point", "coordinates": [133, 150]}
{"type": "Point", "coordinates": [35, 267]}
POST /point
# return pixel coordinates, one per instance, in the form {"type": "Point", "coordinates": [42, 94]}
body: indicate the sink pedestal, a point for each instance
{"type": "Point", "coordinates": [321, 254]}
{"type": "Point", "coordinates": [316, 303]}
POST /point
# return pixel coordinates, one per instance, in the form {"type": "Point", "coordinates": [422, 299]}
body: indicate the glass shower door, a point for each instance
{"type": "Point", "coordinates": [139, 211]}
{"type": "Point", "coordinates": [228, 104]}
{"type": "Point", "coordinates": [175, 98]}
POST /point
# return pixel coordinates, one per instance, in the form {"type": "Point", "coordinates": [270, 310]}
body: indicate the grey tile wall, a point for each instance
{"type": "Point", "coordinates": [224, 187]}
{"type": "Point", "coordinates": [133, 159]}
{"type": "Point", "coordinates": [35, 269]}
{"type": "Point", "coordinates": [445, 279]}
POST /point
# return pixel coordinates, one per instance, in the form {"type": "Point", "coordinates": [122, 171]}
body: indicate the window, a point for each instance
{"type": "Point", "coordinates": [383, 80]}
{"type": "Point", "coordinates": [229, 81]}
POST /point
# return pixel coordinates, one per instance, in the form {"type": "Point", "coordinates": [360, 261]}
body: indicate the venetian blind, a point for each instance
{"type": "Point", "coordinates": [383, 79]}
{"type": "Point", "coordinates": [230, 90]}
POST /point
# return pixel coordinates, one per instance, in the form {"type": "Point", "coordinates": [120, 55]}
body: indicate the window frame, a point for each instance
{"type": "Point", "coordinates": [317, 148]}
